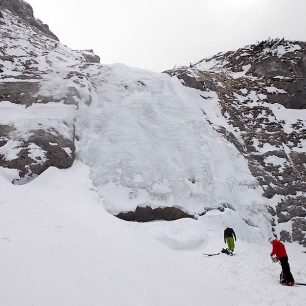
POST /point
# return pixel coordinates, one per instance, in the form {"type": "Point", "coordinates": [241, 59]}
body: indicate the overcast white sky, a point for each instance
{"type": "Point", "coordinates": [158, 34]}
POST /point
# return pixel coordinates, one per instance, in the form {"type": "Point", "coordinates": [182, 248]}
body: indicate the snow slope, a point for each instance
{"type": "Point", "coordinates": [58, 246]}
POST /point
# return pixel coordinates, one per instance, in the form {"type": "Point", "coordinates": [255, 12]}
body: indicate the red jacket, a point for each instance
{"type": "Point", "coordinates": [278, 249]}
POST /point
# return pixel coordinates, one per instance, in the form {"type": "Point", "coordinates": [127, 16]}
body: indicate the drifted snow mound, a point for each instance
{"type": "Point", "coordinates": [148, 144]}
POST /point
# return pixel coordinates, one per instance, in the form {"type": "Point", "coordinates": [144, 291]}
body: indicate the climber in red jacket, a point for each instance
{"type": "Point", "coordinates": [279, 251]}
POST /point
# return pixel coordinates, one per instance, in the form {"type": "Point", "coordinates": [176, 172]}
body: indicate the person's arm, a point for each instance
{"type": "Point", "coordinates": [224, 237]}
{"type": "Point", "coordinates": [273, 250]}
{"type": "Point", "coordinates": [234, 235]}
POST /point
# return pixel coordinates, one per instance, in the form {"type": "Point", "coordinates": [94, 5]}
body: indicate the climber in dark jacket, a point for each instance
{"type": "Point", "coordinates": [229, 236]}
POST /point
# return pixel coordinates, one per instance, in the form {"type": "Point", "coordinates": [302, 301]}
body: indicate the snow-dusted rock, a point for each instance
{"type": "Point", "coordinates": [90, 57]}
{"type": "Point", "coordinates": [262, 92]}
{"type": "Point", "coordinates": [41, 87]}
{"type": "Point", "coordinates": [25, 12]}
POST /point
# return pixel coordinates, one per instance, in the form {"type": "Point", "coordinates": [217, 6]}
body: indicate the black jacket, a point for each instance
{"type": "Point", "coordinates": [229, 232]}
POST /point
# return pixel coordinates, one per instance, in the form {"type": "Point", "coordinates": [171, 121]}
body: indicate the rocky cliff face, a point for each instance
{"type": "Point", "coordinates": [262, 95]}
{"type": "Point", "coordinates": [42, 82]}
{"type": "Point", "coordinates": [25, 12]}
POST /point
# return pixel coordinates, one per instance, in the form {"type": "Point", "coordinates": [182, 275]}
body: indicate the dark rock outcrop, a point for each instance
{"type": "Point", "coordinates": [90, 57]}
{"type": "Point", "coordinates": [23, 94]}
{"type": "Point", "coordinates": [55, 150]}
{"type": "Point", "coordinates": [145, 214]}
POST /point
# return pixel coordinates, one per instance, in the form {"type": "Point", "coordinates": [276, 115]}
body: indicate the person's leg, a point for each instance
{"type": "Point", "coordinates": [230, 243]}
{"type": "Point", "coordinates": [281, 277]}
{"type": "Point", "coordinates": [288, 278]}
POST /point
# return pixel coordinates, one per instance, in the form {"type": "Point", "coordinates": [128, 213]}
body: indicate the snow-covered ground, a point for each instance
{"type": "Point", "coordinates": [59, 246]}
